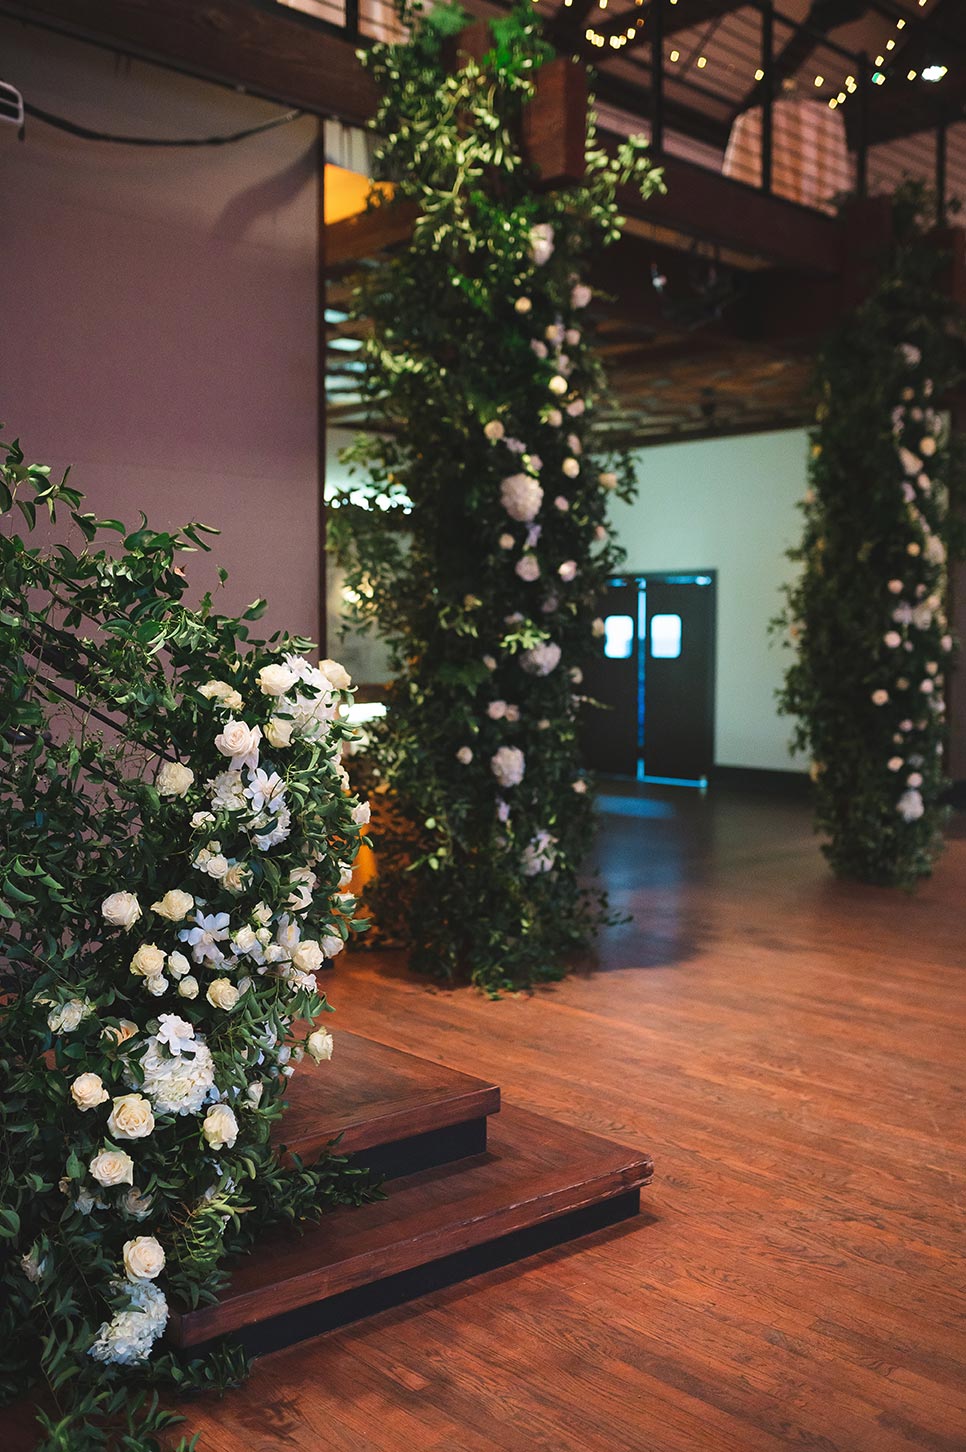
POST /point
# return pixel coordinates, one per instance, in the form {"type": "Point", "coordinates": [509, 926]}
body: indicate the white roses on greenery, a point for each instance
{"type": "Point", "coordinates": [173, 779]}
{"type": "Point", "coordinates": [143, 1258]}
{"type": "Point", "coordinates": [220, 1127]}
{"type": "Point", "coordinates": [148, 961]}
{"type": "Point", "coordinates": [508, 766]}
{"type": "Point", "coordinates": [87, 1091]}
{"type": "Point", "coordinates": [521, 497]}
{"type": "Point", "coordinates": [541, 242]}
{"type": "Point", "coordinates": [121, 909]}
{"type": "Point", "coordinates": [131, 1117]}
{"type": "Point", "coordinates": [112, 1167]}
{"type": "Point", "coordinates": [320, 1045]}
{"type": "Point", "coordinates": [174, 906]}
{"type": "Point", "coordinates": [223, 693]}
{"type": "Point", "coordinates": [240, 742]}
{"type": "Point", "coordinates": [223, 994]}
{"type": "Point", "coordinates": [541, 659]}
{"type": "Point", "coordinates": [276, 680]}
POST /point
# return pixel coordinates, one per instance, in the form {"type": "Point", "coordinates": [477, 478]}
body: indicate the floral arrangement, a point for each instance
{"type": "Point", "coordinates": [175, 868]}
{"type": "Point", "coordinates": [478, 544]}
{"type": "Point", "coordinates": [867, 618]}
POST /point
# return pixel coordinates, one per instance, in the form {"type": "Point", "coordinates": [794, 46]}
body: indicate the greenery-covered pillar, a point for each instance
{"type": "Point", "coordinates": [867, 618]}
{"type": "Point", "coordinates": [478, 544]}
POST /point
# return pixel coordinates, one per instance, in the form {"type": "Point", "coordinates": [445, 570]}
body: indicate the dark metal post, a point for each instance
{"type": "Point", "coordinates": [352, 19]}
{"type": "Point", "coordinates": [942, 139]}
{"type": "Point", "coordinates": [863, 81]}
{"type": "Point", "coordinates": [656, 20]}
{"type": "Point", "coordinates": [767, 92]}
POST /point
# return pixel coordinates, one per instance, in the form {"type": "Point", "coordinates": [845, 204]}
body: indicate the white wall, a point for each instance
{"type": "Point", "coordinates": [728, 505]}
{"type": "Point", "coordinates": [159, 312]}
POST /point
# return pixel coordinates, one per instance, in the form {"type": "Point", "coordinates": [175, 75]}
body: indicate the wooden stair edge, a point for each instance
{"type": "Point", "coordinates": [471, 1205]}
{"type": "Point", "coordinates": [382, 1096]}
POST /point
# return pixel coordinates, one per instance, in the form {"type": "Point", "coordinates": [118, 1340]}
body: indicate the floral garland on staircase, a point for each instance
{"type": "Point", "coordinates": [171, 883]}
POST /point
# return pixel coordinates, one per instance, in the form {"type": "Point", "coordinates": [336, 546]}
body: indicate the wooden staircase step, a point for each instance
{"type": "Point", "coordinates": [539, 1183]}
{"type": "Point", "coordinates": [394, 1112]}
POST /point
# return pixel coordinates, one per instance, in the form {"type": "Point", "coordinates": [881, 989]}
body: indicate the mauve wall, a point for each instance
{"type": "Point", "coordinates": [159, 312]}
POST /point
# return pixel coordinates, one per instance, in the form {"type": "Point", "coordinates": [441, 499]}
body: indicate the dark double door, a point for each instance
{"type": "Point", "coordinates": [656, 679]}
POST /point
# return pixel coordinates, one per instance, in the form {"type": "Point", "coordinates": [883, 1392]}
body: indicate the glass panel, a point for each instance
{"type": "Point", "coordinates": [665, 637]}
{"type": "Point", "coordinates": [618, 636]}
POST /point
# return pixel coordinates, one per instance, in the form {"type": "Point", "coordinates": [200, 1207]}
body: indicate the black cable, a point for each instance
{"type": "Point", "coordinates": [86, 134]}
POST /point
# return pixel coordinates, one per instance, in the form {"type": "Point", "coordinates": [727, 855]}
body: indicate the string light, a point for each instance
{"type": "Point", "coordinates": [833, 103]}
{"type": "Point", "coordinates": [911, 75]}
{"type": "Point", "coordinates": [759, 74]}
{"type": "Point", "coordinates": [890, 45]}
{"type": "Point", "coordinates": [900, 25]}
{"type": "Point", "coordinates": [879, 60]}
{"type": "Point", "coordinates": [878, 79]}
{"type": "Point", "coordinates": [702, 62]}
{"type": "Point", "coordinates": [820, 80]}
{"type": "Point", "coordinates": [675, 55]}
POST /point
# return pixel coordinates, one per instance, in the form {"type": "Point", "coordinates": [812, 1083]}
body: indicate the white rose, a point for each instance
{"type": "Point", "coordinates": [521, 497]}
{"type": "Point", "coordinates": [331, 945]}
{"type": "Point", "coordinates": [188, 987]}
{"type": "Point", "coordinates": [222, 994]}
{"type": "Point", "coordinates": [464, 756]}
{"type": "Point", "coordinates": [494, 430]}
{"type": "Point", "coordinates": [571, 468]}
{"type": "Point", "coordinates": [143, 1258]}
{"type": "Point", "coordinates": [607, 480]}
{"type": "Point", "coordinates": [597, 628]}
{"type": "Point", "coordinates": [527, 568]}
{"type": "Point", "coordinates": [173, 779]}
{"type": "Point", "coordinates": [223, 693]}
{"type": "Point", "coordinates": [275, 680]}
{"type": "Point", "coordinates": [120, 1033]}
{"type": "Point", "coordinates": [558, 385]}
{"type": "Point", "coordinates": [137, 1205]}
{"type": "Point", "coordinates": [568, 571]}
{"type": "Point", "coordinates": [308, 956]}
{"type": "Point", "coordinates": [523, 305]}
{"type": "Point", "coordinates": [68, 1016]}
{"type": "Point", "coordinates": [174, 906]}
{"type": "Point", "coordinates": [236, 878]}
{"type": "Point", "coordinates": [220, 1127]}
{"type": "Point", "coordinates": [320, 1045]}
{"type": "Point", "coordinates": [580, 295]}
{"type": "Point", "coordinates": [927, 446]}
{"type": "Point", "coordinates": [148, 961]}
{"type": "Point", "coordinates": [541, 242]}
{"type": "Point", "coordinates": [178, 965]}
{"type": "Point", "coordinates": [255, 1092]}
{"type": "Point", "coordinates": [554, 418]}
{"type": "Point", "coordinates": [240, 742]}
{"type": "Point", "coordinates": [278, 732]}
{"type": "Point", "coordinates": [216, 866]}
{"type": "Point", "coordinates": [131, 1117]}
{"type": "Point", "coordinates": [121, 909]}
{"type": "Point", "coordinates": [880, 697]}
{"type": "Point", "coordinates": [87, 1091]}
{"type": "Point", "coordinates": [156, 985]}
{"type": "Point", "coordinates": [361, 814]}
{"type": "Point", "coordinates": [576, 407]}
{"type": "Point", "coordinates": [336, 673]}
{"type": "Point", "coordinates": [892, 639]}
{"type": "Point", "coordinates": [112, 1167]}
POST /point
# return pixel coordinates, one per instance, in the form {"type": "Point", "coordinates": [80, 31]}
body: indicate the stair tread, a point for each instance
{"type": "Point", "coordinates": [372, 1095]}
{"type": "Point", "coordinates": [535, 1169]}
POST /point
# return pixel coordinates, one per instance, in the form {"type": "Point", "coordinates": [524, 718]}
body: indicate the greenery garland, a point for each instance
{"type": "Point", "coordinates": [478, 544]}
{"type": "Point", "coordinates": [867, 617]}
{"type": "Point", "coordinates": [176, 852]}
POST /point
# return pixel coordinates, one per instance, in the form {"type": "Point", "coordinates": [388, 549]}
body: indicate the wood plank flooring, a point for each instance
{"type": "Point", "coordinates": [792, 1051]}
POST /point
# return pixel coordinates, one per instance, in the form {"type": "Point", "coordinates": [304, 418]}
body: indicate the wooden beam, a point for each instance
{"type": "Point", "coordinates": [267, 52]}
{"type": "Point", "coordinates": [703, 204]}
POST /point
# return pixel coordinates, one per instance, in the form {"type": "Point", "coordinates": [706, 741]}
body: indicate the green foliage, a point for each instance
{"type": "Point", "coordinates": [867, 616]}
{"type": "Point", "coordinates": [480, 362]}
{"type": "Point", "coordinates": [117, 777]}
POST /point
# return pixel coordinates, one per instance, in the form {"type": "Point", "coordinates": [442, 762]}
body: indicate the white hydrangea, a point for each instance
{"type": "Point", "coordinates": [508, 766]}
{"type": "Point", "coordinates": [129, 1335]}
{"type": "Point", "coordinates": [539, 855]}
{"type": "Point", "coordinates": [177, 1085]}
{"type": "Point", "coordinates": [541, 659]}
{"type": "Point", "coordinates": [521, 497]}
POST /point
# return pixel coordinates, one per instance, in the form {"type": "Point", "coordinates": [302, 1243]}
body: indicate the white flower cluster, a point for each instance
{"type": "Point", "coordinates": [539, 855]}
{"type": "Point", "coordinates": [210, 958]}
{"type": "Point", "coordinates": [916, 623]}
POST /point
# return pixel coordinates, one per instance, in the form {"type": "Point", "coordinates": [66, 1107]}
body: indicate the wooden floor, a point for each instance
{"type": "Point", "coordinates": [792, 1052]}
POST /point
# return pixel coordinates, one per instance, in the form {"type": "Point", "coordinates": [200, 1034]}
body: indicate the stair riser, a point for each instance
{"type": "Point", "coordinates": [410, 1285]}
